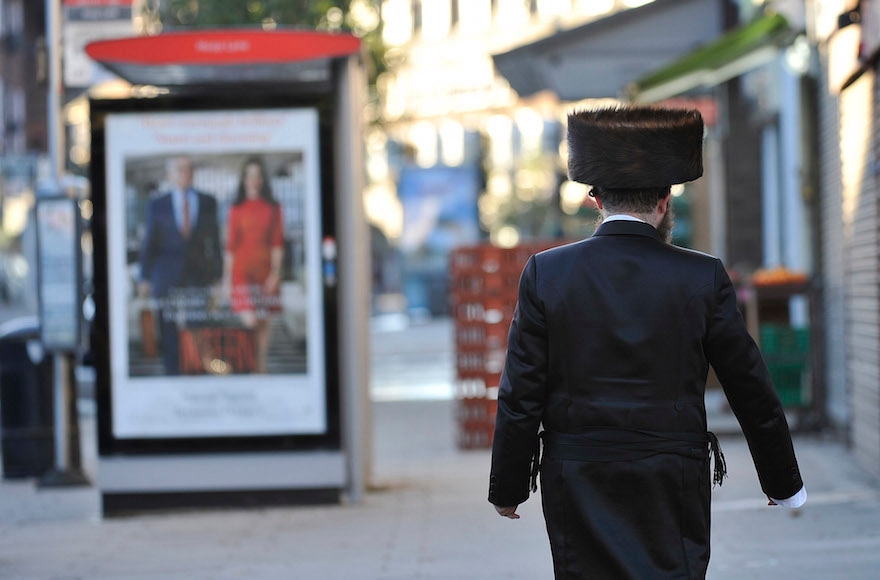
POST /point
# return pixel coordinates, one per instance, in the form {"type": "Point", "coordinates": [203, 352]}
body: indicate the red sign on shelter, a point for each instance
{"type": "Point", "coordinates": [212, 57]}
{"type": "Point", "coordinates": [224, 47]}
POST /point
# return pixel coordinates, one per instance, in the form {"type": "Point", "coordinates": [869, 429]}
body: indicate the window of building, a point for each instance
{"type": "Point", "coordinates": [397, 16]}
{"type": "Point", "coordinates": [553, 8]}
{"type": "Point", "coordinates": [417, 16]}
{"type": "Point", "coordinates": [452, 143]}
{"type": "Point", "coordinates": [377, 156]}
{"type": "Point", "coordinates": [436, 19]}
{"type": "Point", "coordinates": [594, 7]}
{"type": "Point", "coordinates": [474, 16]}
{"type": "Point", "coordinates": [500, 131]}
{"type": "Point", "coordinates": [423, 137]}
{"type": "Point", "coordinates": [635, 3]}
{"type": "Point", "coordinates": [511, 13]}
{"type": "Point", "coordinates": [530, 126]}
{"type": "Point", "coordinates": [398, 90]}
{"type": "Point", "coordinates": [14, 17]}
{"type": "Point", "coordinates": [19, 120]}
{"type": "Point", "coordinates": [3, 123]}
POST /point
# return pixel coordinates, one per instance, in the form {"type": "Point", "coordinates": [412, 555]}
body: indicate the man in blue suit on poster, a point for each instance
{"type": "Point", "coordinates": [181, 255]}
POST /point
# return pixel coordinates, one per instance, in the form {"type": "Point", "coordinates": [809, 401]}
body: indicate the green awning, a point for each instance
{"type": "Point", "coordinates": [737, 52]}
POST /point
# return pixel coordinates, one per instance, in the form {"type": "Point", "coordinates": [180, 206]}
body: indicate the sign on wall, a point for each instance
{"type": "Point", "coordinates": [215, 289]}
{"type": "Point", "coordinates": [86, 21]}
{"type": "Point", "coordinates": [439, 215]}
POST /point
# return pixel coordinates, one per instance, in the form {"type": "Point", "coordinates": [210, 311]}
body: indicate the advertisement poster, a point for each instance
{"type": "Point", "coordinates": [439, 215]}
{"type": "Point", "coordinates": [216, 313]}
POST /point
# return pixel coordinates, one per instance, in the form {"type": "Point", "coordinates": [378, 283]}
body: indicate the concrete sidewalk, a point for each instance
{"type": "Point", "coordinates": [427, 517]}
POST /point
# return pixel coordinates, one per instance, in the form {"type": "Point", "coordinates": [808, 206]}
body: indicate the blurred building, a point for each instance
{"type": "Point", "coordinates": [847, 34]}
{"type": "Point", "coordinates": [452, 126]}
{"type": "Point", "coordinates": [600, 61]}
{"type": "Point", "coordinates": [23, 69]}
{"type": "Point", "coordinates": [763, 200]}
{"type": "Point", "coordinates": [789, 163]}
{"type": "Point", "coordinates": [82, 22]}
{"type": "Point", "coordinates": [23, 73]}
{"type": "Point", "coordinates": [790, 155]}
{"type": "Point", "coordinates": [732, 60]}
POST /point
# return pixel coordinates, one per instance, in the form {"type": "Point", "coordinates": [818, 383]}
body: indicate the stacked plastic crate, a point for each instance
{"type": "Point", "coordinates": [484, 283]}
{"type": "Point", "coordinates": [787, 354]}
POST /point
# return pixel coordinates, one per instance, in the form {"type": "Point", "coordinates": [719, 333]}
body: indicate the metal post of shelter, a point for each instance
{"type": "Point", "coordinates": [354, 264]}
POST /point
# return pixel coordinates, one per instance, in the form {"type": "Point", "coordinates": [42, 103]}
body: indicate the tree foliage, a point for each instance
{"type": "Point", "coordinates": [226, 13]}
{"type": "Point", "coordinates": [360, 17]}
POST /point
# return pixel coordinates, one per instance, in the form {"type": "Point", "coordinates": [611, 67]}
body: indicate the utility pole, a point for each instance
{"type": "Point", "coordinates": [67, 470]}
{"type": "Point", "coordinates": [55, 134]}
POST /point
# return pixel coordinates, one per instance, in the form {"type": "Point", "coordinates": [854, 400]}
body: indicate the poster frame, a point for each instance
{"type": "Point", "coordinates": [196, 101]}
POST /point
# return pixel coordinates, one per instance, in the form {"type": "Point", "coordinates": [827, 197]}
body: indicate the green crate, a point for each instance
{"type": "Point", "coordinates": [778, 339]}
{"type": "Point", "coordinates": [786, 351]}
{"type": "Point", "coordinates": [790, 382]}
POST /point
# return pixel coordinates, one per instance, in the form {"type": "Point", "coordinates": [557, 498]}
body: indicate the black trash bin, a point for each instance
{"type": "Point", "coordinates": [26, 405]}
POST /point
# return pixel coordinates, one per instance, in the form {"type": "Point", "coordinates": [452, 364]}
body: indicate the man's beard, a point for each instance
{"type": "Point", "coordinates": [664, 228]}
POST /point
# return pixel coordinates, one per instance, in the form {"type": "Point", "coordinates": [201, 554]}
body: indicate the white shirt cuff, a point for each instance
{"type": "Point", "coordinates": [795, 501]}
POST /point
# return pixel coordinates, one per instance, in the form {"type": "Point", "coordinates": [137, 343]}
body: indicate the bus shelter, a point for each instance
{"type": "Point", "coordinates": [231, 260]}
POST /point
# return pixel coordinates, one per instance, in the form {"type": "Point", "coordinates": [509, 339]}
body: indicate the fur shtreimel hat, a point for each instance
{"type": "Point", "coordinates": [635, 147]}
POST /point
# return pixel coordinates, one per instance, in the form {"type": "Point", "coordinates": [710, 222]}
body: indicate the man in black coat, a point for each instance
{"type": "Point", "coordinates": [609, 351]}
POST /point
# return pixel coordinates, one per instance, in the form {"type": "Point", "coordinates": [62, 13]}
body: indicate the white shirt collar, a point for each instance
{"type": "Point", "coordinates": [622, 217]}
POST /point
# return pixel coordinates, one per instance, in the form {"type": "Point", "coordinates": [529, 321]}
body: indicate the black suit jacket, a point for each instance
{"type": "Point", "coordinates": [170, 261]}
{"type": "Point", "coordinates": [619, 330]}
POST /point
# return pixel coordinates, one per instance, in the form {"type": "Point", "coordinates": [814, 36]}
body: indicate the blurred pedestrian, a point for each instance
{"type": "Point", "coordinates": [609, 350]}
{"type": "Point", "coordinates": [254, 254]}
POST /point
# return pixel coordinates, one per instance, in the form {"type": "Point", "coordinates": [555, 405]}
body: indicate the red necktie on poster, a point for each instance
{"type": "Point", "coordinates": [185, 222]}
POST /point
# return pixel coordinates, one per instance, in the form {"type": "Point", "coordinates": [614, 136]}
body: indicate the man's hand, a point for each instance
{"type": "Point", "coordinates": [507, 512]}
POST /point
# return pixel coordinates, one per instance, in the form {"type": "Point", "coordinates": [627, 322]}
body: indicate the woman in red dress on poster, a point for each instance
{"type": "Point", "coordinates": [254, 253]}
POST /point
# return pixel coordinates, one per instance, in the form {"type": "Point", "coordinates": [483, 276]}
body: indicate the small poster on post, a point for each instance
{"type": "Point", "coordinates": [58, 273]}
{"type": "Point", "coordinates": [216, 313]}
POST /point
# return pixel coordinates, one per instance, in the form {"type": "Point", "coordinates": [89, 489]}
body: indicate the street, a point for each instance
{"type": "Point", "coordinates": [426, 515]}
{"type": "Point", "coordinates": [217, 193]}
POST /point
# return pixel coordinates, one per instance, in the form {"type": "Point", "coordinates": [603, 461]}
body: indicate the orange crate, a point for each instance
{"type": "Point", "coordinates": [475, 417]}
{"type": "Point", "coordinates": [470, 387]}
{"type": "Point", "coordinates": [470, 336]}
{"type": "Point", "coordinates": [475, 435]}
{"type": "Point", "coordinates": [478, 386]}
{"type": "Point", "coordinates": [470, 409]}
{"type": "Point", "coordinates": [470, 364]}
{"type": "Point", "coordinates": [464, 260]}
{"type": "Point", "coordinates": [469, 311]}
{"type": "Point", "coordinates": [492, 381]}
